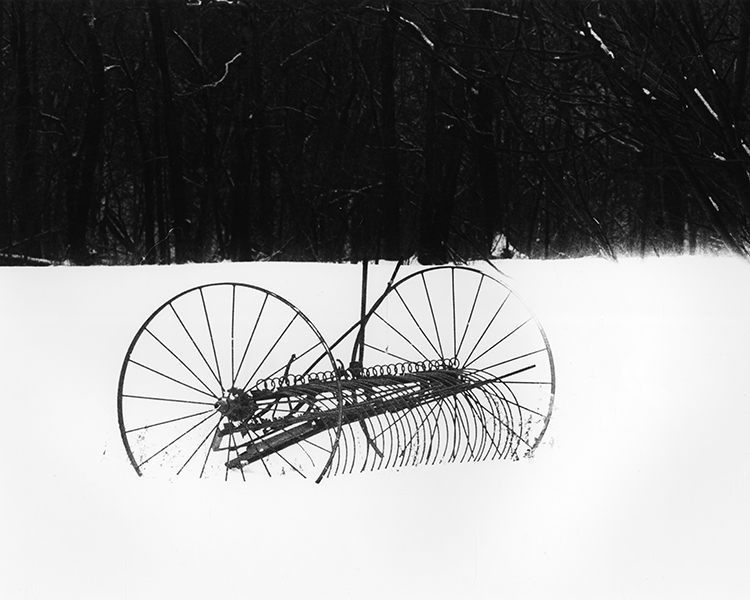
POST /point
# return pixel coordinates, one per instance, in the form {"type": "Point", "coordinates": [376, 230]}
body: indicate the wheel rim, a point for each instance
{"type": "Point", "coordinates": [474, 321]}
{"type": "Point", "coordinates": [202, 388]}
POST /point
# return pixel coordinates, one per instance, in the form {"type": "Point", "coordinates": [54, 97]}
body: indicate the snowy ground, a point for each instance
{"type": "Point", "coordinates": [639, 490]}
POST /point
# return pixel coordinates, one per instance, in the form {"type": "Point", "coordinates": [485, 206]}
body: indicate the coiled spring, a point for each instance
{"type": "Point", "coordinates": [272, 384]}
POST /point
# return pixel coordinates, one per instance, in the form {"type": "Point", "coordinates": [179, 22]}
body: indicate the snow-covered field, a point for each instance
{"type": "Point", "coordinates": [640, 488]}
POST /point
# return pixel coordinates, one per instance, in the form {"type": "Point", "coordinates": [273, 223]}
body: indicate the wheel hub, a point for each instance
{"type": "Point", "coordinates": [236, 405]}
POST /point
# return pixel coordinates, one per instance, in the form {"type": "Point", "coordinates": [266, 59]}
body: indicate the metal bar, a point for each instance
{"type": "Point", "coordinates": [393, 276]}
{"type": "Point", "coordinates": [361, 321]}
{"type": "Point", "coordinates": [362, 315]}
{"type": "Point", "coordinates": [388, 394]}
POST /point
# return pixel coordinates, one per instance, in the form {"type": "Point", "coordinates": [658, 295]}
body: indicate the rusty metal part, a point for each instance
{"type": "Point", "coordinates": [393, 415]}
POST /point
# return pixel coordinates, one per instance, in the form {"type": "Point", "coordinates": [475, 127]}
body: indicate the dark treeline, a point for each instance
{"type": "Point", "coordinates": [145, 131]}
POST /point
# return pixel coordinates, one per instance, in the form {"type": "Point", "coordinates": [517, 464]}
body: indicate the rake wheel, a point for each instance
{"type": "Point", "coordinates": [197, 390]}
{"type": "Point", "coordinates": [500, 405]}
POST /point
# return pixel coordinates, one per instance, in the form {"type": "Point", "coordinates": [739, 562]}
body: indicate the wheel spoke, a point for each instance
{"type": "Point", "coordinates": [453, 306]}
{"type": "Point", "coordinates": [416, 322]}
{"type": "Point", "coordinates": [517, 404]}
{"type": "Point", "coordinates": [505, 362]}
{"type": "Point", "coordinates": [263, 462]}
{"type": "Point", "coordinates": [432, 313]}
{"type": "Point", "coordinates": [386, 352]}
{"type": "Point", "coordinates": [250, 339]}
{"type": "Point", "coordinates": [213, 432]}
{"type": "Point", "coordinates": [510, 430]}
{"type": "Point", "coordinates": [198, 447]}
{"type": "Point", "coordinates": [229, 450]}
{"type": "Point", "coordinates": [422, 354]}
{"type": "Point", "coordinates": [174, 310]}
{"type": "Point", "coordinates": [471, 314]}
{"type": "Point", "coordinates": [198, 379]}
{"type": "Point", "coordinates": [282, 457]}
{"type": "Point", "coordinates": [420, 424]}
{"type": "Point", "coordinates": [271, 349]}
{"type": "Point", "coordinates": [319, 447]}
{"type": "Point", "coordinates": [160, 399]}
{"type": "Point", "coordinates": [175, 420]}
{"type": "Point", "coordinates": [298, 357]}
{"type": "Point", "coordinates": [473, 407]}
{"type": "Point", "coordinates": [182, 383]}
{"type": "Point", "coordinates": [496, 344]}
{"type": "Point", "coordinates": [178, 438]}
{"type": "Point", "coordinates": [234, 295]}
{"type": "Point", "coordinates": [211, 337]}
{"type": "Point", "coordinates": [486, 329]}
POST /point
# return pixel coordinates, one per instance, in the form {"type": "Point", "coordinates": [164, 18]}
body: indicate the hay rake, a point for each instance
{"type": "Point", "coordinates": [232, 380]}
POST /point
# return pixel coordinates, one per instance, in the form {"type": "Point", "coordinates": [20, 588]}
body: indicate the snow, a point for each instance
{"type": "Point", "coordinates": [639, 489]}
{"type": "Point", "coordinates": [602, 45]}
{"type": "Point", "coordinates": [706, 104]}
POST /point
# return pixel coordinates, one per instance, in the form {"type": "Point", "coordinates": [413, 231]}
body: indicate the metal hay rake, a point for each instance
{"type": "Point", "coordinates": [232, 380]}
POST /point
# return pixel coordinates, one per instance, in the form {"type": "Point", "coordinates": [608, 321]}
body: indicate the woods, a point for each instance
{"type": "Point", "coordinates": [155, 131]}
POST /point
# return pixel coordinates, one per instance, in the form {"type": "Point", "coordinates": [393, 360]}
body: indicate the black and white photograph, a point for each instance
{"type": "Point", "coordinates": [374, 299]}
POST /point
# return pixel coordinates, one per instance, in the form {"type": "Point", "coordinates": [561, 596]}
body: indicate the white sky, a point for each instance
{"type": "Point", "coordinates": [639, 490]}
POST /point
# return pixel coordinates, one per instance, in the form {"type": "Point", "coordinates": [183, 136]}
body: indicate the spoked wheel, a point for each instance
{"type": "Point", "coordinates": [229, 380]}
{"type": "Point", "coordinates": [463, 322]}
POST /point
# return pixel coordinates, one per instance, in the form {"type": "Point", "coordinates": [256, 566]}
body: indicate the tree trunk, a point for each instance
{"type": "Point", "coordinates": [243, 165]}
{"type": "Point", "coordinates": [241, 248]}
{"type": "Point", "coordinates": [23, 173]}
{"type": "Point", "coordinates": [86, 158]}
{"type": "Point", "coordinates": [163, 232]}
{"type": "Point", "coordinates": [493, 205]}
{"type": "Point", "coordinates": [389, 218]}
{"type": "Point", "coordinates": [648, 183]}
{"type": "Point", "coordinates": [6, 207]}
{"type": "Point", "coordinates": [264, 201]}
{"type": "Point", "coordinates": [177, 189]}
{"type": "Point", "coordinates": [148, 171]}
{"type": "Point", "coordinates": [431, 249]}
{"type": "Point", "coordinates": [673, 206]}
{"type": "Point", "coordinates": [442, 158]}
{"type": "Point", "coordinates": [739, 78]}
{"type": "Point", "coordinates": [208, 195]}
